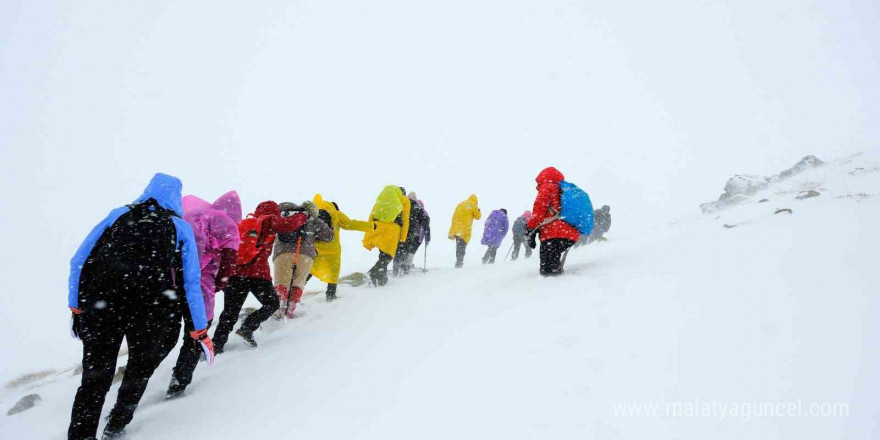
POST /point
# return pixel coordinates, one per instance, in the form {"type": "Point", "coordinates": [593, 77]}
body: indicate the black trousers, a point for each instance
{"type": "Point", "coordinates": [234, 295]}
{"type": "Point", "coordinates": [460, 249]}
{"type": "Point", "coordinates": [379, 271]}
{"type": "Point", "coordinates": [187, 359]}
{"type": "Point", "coordinates": [400, 260]}
{"type": "Point", "coordinates": [150, 332]}
{"type": "Point", "coordinates": [516, 246]}
{"type": "Point", "coordinates": [489, 257]}
{"type": "Point", "coordinates": [551, 255]}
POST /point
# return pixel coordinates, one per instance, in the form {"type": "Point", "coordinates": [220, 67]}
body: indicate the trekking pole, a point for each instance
{"type": "Point", "coordinates": [425, 264]}
{"type": "Point", "coordinates": [508, 252]}
{"type": "Point", "coordinates": [292, 276]}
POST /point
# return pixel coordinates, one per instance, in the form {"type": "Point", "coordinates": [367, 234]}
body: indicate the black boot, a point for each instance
{"type": "Point", "coordinates": [331, 292]}
{"type": "Point", "coordinates": [175, 389]}
{"type": "Point", "coordinates": [248, 337]}
{"type": "Point", "coordinates": [112, 432]}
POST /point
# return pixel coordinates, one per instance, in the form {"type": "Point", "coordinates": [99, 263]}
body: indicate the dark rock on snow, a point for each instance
{"type": "Point", "coordinates": [24, 404]}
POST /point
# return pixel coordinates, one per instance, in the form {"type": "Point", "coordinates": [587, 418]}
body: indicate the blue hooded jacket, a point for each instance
{"type": "Point", "coordinates": [166, 191]}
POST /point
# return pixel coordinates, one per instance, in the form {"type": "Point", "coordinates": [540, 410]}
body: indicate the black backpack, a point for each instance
{"type": "Point", "coordinates": [139, 251]}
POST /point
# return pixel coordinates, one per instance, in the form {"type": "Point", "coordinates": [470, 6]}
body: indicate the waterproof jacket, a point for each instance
{"type": "Point", "coordinates": [388, 235]}
{"type": "Point", "coordinates": [419, 225]}
{"type": "Point", "coordinates": [328, 263]}
{"type": "Point", "coordinates": [548, 204]}
{"type": "Point", "coordinates": [313, 231]}
{"type": "Point", "coordinates": [215, 229]}
{"type": "Point", "coordinates": [463, 219]}
{"type": "Point", "coordinates": [273, 224]}
{"type": "Point", "coordinates": [602, 222]}
{"type": "Point", "coordinates": [495, 229]}
{"type": "Point", "coordinates": [165, 191]}
{"type": "Point", "coordinates": [519, 226]}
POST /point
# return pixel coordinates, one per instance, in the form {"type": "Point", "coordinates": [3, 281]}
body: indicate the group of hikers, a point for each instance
{"type": "Point", "coordinates": [159, 261]}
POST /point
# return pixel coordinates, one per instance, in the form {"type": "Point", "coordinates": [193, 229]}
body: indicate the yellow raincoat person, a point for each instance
{"type": "Point", "coordinates": [463, 219]}
{"type": "Point", "coordinates": [329, 260]}
{"type": "Point", "coordinates": [387, 232]}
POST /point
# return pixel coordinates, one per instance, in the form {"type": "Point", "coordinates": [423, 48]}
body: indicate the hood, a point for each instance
{"type": "Point", "coordinates": [606, 208]}
{"type": "Point", "coordinates": [473, 198]}
{"type": "Point", "coordinates": [165, 190]}
{"type": "Point", "coordinates": [527, 215]}
{"type": "Point", "coordinates": [323, 204]}
{"type": "Point", "coordinates": [229, 203]}
{"type": "Point", "coordinates": [412, 196]}
{"type": "Point", "coordinates": [192, 204]}
{"type": "Point", "coordinates": [267, 208]}
{"type": "Point", "coordinates": [549, 175]}
{"type": "Point", "coordinates": [498, 213]}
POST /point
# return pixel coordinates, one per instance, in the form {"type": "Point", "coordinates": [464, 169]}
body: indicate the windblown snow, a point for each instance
{"type": "Point", "coordinates": [753, 304]}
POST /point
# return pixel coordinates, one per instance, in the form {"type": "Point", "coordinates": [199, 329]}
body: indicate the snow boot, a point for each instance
{"type": "Point", "coordinates": [331, 293]}
{"type": "Point", "coordinates": [175, 389]}
{"type": "Point", "coordinates": [283, 294]}
{"type": "Point", "coordinates": [248, 337]}
{"type": "Point", "coordinates": [113, 432]}
{"type": "Point", "coordinates": [294, 299]}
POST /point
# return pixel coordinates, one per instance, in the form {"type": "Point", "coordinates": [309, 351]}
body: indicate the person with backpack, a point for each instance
{"type": "Point", "coordinates": [215, 226]}
{"type": "Point", "coordinates": [556, 230]}
{"type": "Point", "coordinates": [251, 273]}
{"type": "Point", "coordinates": [135, 276]}
{"type": "Point", "coordinates": [462, 225]}
{"type": "Point", "coordinates": [328, 261]}
{"type": "Point", "coordinates": [295, 253]}
{"type": "Point", "coordinates": [419, 228]}
{"type": "Point", "coordinates": [390, 218]}
{"type": "Point", "coordinates": [494, 232]}
{"type": "Point", "coordinates": [602, 218]}
{"type": "Point", "coordinates": [519, 235]}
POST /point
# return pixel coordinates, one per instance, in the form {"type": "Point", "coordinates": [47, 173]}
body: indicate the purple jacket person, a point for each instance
{"type": "Point", "coordinates": [216, 231]}
{"type": "Point", "coordinates": [495, 228]}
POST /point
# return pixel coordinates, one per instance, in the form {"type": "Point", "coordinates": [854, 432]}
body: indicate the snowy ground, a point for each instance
{"type": "Point", "coordinates": [780, 308]}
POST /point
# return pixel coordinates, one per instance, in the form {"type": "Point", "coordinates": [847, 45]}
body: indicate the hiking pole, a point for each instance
{"type": "Point", "coordinates": [425, 264]}
{"type": "Point", "coordinates": [292, 277]}
{"type": "Point", "coordinates": [508, 252]}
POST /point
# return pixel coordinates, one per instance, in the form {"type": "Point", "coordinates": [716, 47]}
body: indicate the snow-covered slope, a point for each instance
{"type": "Point", "coordinates": [779, 308]}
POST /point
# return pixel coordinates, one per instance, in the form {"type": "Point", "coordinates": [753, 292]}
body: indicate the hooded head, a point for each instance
{"type": "Point", "coordinates": [324, 204]}
{"type": "Point", "coordinates": [412, 196]}
{"type": "Point", "coordinates": [165, 190]}
{"type": "Point", "coordinates": [193, 204]}
{"type": "Point", "coordinates": [549, 175]}
{"type": "Point", "coordinates": [473, 198]}
{"type": "Point", "coordinates": [504, 211]}
{"type": "Point", "coordinates": [267, 208]}
{"type": "Point", "coordinates": [311, 208]}
{"type": "Point", "coordinates": [606, 208]}
{"type": "Point", "coordinates": [527, 215]}
{"type": "Point", "coordinates": [229, 203]}
{"type": "Point", "coordinates": [402, 190]}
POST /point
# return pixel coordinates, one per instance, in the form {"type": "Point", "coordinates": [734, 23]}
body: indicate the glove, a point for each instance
{"type": "Point", "coordinates": [75, 323]}
{"type": "Point", "coordinates": [532, 238]}
{"type": "Point", "coordinates": [201, 337]}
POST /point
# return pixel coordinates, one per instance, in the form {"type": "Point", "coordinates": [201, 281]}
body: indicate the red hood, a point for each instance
{"type": "Point", "coordinates": [549, 175]}
{"type": "Point", "coordinates": [267, 208]}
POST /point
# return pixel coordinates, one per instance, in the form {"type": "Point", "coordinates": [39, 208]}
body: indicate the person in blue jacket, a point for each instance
{"type": "Point", "coordinates": [136, 276]}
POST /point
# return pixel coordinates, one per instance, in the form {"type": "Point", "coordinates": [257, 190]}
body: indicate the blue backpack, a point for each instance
{"type": "Point", "coordinates": [577, 209]}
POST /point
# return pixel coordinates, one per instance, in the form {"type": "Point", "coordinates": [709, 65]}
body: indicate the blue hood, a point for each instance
{"type": "Point", "coordinates": [166, 191]}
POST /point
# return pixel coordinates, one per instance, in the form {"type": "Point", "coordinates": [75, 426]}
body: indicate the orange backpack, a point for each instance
{"type": "Point", "coordinates": [252, 238]}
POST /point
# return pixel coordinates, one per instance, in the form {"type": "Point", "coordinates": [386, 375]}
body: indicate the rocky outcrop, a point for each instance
{"type": "Point", "coordinates": [742, 186]}
{"type": "Point", "coordinates": [24, 404]}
